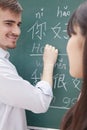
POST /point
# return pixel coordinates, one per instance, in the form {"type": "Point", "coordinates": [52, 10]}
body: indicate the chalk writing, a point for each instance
{"type": "Point", "coordinates": [35, 76]}
{"type": "Point", "coordinates": [57, 29]}
{"type": "Point", "coordinates": [63, 13]}
{"type": "Point", "coordinates": [38, 30]}
{"type": "Point", "coordinates": [37, 48]}
{"type": "Point", "coordinates": [38, 63]}
{"type": "Point", "coordinates": [68, 101]}
{"type": "Point", "coordinates": [65, 36]}
{"type": "Point", "coordinates": [40, 14]}
{"type": "Point", "coordinates": [59, 81]}
{"type": "Point", "coordinates": [76, 83]}
{"type": "Point", "coordinates": [60, 64]}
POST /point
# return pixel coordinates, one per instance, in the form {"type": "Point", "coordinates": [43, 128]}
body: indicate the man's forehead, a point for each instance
{"type": "Point", "coordinates": [10, 15]}
{"type": "Point", "coordinates": [9, 11]}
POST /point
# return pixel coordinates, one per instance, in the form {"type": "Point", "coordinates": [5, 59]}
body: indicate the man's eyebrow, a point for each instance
{"type": "Point", "coordinates": [12, 21]}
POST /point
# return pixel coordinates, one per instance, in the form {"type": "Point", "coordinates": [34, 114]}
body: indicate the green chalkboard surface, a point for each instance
{"type": "Point", "coordinates": [45, 21]}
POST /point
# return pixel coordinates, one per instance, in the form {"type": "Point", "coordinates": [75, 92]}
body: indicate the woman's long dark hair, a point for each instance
{"type": "Point", "coordinates": [76, 117]}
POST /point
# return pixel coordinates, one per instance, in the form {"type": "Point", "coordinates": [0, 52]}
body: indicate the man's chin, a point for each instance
{"type": "Point", "coordinates": [12, 47]}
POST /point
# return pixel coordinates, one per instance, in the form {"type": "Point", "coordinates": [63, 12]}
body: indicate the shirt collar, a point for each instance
{"type": "Point", "coordinates": [4, 53]}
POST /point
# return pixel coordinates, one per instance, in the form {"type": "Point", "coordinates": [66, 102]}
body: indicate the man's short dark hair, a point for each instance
{"type": "Point", "coordinates": [12, 5]}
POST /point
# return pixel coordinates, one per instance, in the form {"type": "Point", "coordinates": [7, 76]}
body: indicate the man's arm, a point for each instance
{"type": "Point", "coordinates": [49, 58]}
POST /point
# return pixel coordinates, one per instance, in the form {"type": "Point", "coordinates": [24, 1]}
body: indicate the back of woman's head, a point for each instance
{"type": "Point", "coordinates": [76, 118]}
{"type": "Point", "coordinates": [79, 17]}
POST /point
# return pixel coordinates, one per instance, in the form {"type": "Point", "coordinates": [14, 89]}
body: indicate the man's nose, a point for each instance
{"type": "Point", "coordinates": [16, 30]}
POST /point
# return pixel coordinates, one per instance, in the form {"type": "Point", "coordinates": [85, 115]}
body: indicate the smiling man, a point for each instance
{"type": "Point", "coordinates": [17, 94]}
{"type": "Point", "coordinates": [9, 28]}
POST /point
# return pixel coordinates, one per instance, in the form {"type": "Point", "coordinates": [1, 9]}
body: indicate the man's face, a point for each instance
{"type": "Point", "coordinates": [9, 29]}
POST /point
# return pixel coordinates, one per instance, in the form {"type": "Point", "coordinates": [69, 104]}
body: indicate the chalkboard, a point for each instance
{"type": "Point", "coordinates": [45, 21]}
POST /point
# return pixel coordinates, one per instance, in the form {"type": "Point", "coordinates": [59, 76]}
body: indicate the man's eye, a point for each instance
{"type": "Point", "coordinates": [19, 25]}
{"type": "Point", "coordinates": [9, 24]}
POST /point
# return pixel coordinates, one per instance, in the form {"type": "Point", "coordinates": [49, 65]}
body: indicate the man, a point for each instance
{"type": "Point", "coordinates": [17, 94]}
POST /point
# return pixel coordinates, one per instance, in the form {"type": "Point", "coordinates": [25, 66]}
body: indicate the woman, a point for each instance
{"type": "Point", "coordinates": [76, 117]}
